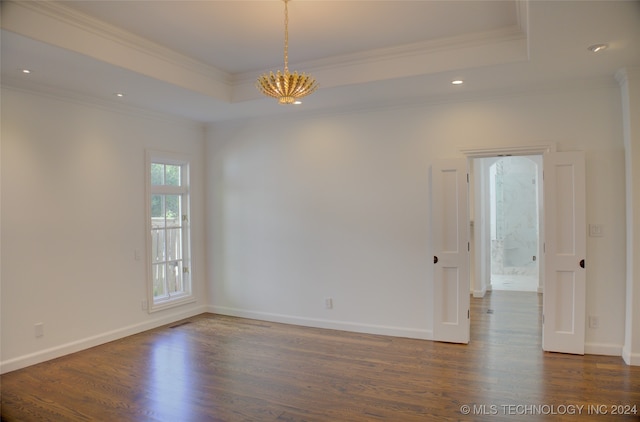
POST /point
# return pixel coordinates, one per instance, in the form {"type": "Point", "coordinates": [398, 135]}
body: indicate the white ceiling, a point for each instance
{"type": "Point", "coordinates": [200, 59]}
{"type": "Point", "coordinates": [245, 36]}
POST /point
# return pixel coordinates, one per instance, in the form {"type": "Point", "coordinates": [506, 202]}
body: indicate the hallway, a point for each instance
{"type": "Point", "coordinates": [508, 318]}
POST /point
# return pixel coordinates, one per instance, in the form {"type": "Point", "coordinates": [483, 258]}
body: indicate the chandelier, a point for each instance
{"type": "Point", "coordinates": [287, 87]}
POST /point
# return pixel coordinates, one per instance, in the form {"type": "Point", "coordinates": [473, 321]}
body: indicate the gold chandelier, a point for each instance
{"type": "Point", "coordinates": [286, 87]}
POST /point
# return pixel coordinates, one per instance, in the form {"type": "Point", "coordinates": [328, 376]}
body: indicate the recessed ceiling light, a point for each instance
{"type": "Point", "coordinates": [598, 47]}
{"type": "Point", "coordinates": [25, 71]}
{"type": "Point", "coordinates": [119, 94]}
{"type": "Point", "coordinates": [457, 82]}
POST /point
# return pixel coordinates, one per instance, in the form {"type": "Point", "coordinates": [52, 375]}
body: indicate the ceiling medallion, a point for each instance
{"type": "Point", "coordinates": [287, 87]}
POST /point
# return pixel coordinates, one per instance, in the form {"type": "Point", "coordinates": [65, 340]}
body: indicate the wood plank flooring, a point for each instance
{"type": "Point", "coordinates": [218, 368]}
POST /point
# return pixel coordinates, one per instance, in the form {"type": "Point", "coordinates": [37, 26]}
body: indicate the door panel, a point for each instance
{"type": "Point", "coordinates": [451, 250]}
{"type": "Point", "coordinates": [450, 285]}
{"type": "Point", "coordinates": [565, 248]}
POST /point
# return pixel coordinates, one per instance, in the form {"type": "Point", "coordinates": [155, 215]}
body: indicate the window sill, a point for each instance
{"type": "Point", "coordinates": [172, 303]}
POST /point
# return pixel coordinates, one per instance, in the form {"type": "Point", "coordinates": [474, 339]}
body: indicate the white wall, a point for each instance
{"type": "Point", "coordinates": [338, 206]}
{"type": "Point", "coordinates": [327, 206]}
{"type": "Point", "coordinates": [629, 80]}
{"type": "Point", "coordinates": [73, 198]}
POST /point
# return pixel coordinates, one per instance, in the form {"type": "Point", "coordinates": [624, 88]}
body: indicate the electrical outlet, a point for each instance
{"type": "Point", "coordinates": [39, 329]}
{"type": "Point", "coordinates": [594, 321]}
{"type": "Point", "coordinates": [328, 303]}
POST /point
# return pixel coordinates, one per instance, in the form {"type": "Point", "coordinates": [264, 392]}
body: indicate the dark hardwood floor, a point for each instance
{"type": "Point", "coordinates": [217, 368]}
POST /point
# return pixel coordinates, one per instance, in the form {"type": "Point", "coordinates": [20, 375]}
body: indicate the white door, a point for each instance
{"type": "Point", "coordinates": [565, 250]}
{"type": "Point", "coordinates": [450, 233]}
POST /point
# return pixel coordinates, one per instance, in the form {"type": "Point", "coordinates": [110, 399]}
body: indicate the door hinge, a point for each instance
{"type": "Point", "coordinates": [467, 177]}
{"type": "Point", "coordinates": [468, 247]}
{"type": "Point", "coordinates": [542, 319]}
{"type": "Point", "coordinates": [468, 314]}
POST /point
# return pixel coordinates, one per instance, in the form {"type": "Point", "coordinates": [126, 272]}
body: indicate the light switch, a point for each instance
{"type": "Point", "coordinates": [596, 230]}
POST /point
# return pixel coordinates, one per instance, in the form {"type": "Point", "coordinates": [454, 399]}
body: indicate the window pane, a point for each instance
{"type": "Point", "coordinates": [173, 210]}
{"type": "Point", "coordinates": [159, 280]}
{"type": "Point", "coordinates": [174, 277]}
{"type": "Point", "coordinates": [157, 245]}
{"type": "Point", "coordinates": [174, 244]}
{"type": "Point", "coordinates": [180, 279]}
{"type": "Point", "coordinates": [172, 175]}
{"type": "Point", "coordinates": [157, 174]}
{"type": "Point", "coordinates": [157, 211]}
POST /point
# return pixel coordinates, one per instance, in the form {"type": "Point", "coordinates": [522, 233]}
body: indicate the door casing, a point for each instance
{"type": "Point", "coordinates": [471, 153]}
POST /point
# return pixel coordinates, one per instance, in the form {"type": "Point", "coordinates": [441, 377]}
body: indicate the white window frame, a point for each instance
{"type": "Point", "coordinates": [160, 157]}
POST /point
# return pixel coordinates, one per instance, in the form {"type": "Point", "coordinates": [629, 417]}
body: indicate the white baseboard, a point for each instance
{"type": "Point", "coordinates": [605, 349]}
{"type": "Point", "coordinates": [480, 293]}
{"type": "Point", "coordinates": [76, 346]}
{"type": "Point", "coordinates": [325, 323]}
{"type": "Point", "coordinates": [85, 343]}
{"type": "Point", "coordinates": [632, 359]}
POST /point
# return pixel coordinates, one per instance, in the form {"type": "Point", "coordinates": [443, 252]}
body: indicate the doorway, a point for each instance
{"type": "Point", "coordinates": [507, 209]}
{"type": "Point", "coordinates": [455, 212]}
{"type": "Point", "coordinates": [514, 222]}
{"type": "Point", "coordinates": [506, 196]}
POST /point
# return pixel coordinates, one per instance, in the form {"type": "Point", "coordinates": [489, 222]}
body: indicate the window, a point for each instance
{"type": "Point", "coordinates": [168, 231]}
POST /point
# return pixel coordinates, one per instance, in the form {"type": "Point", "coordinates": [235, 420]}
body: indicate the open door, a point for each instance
{"type": "Point", "coordinates": [450, 228]}
{"type": "Point", "coordinates": [565, 250]}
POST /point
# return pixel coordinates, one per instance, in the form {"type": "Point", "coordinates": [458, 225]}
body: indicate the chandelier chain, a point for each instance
{"type": "Point", "coordinates": [286, 36]}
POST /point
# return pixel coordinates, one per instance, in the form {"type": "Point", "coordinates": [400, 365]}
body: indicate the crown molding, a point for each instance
{"type": "Point", "coordinates": [624, 75]}
{"type": "Point", "coordinates": [522, 15]}
{"type": "Point", "coordinates": [113, 33]}
{"type": "Point", "coordinates": [418, 49]}
{"type": "Point", "coordinates": [506, 45]}
{"type": "Point", "coordinates": [38, 19]}
{"type": "Point", "coordinates": [542, 88]}
{"type": "Point", "coordinates": [85, 100]}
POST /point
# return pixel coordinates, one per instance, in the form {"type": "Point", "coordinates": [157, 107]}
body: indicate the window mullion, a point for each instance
{"type": "Point", "coordinates": [166, 248]}
{"type": "Point", "coordinates": [169, 190]}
